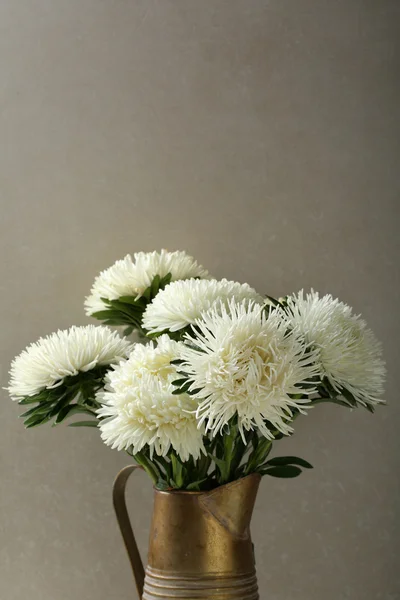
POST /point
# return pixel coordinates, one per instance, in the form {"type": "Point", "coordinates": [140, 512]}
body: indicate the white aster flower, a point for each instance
{"type": "Point", "coordinates": [241, 363]}
{"type": "Point", "coordinates": [182, 302]}
{"type": "Point", "coordinates": [350, 356]}
{"type": "Point", "coordinates": [140, 409]}
{"type": "Point", "coordinates": [131, 277]}
{"type": "Point", "coordinates": [45, 363]}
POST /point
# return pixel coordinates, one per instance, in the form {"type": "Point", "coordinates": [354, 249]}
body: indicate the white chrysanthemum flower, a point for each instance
{"type": "Point", "coordinates": [45, 363]}
{"type": "Point", "coordinates": [182, 302]}
{"type": "Point", "coordinates": [350, 356]}
{"type": "Point", "coordinates": [131, 277]}
{"type": "Point", "coordinates": [241, 363]}
{"type": "Point", "coordinates": [140, 408]}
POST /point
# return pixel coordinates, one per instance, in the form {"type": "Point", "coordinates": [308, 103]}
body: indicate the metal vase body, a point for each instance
{"type": "Point", "coordinates": [200, 545]}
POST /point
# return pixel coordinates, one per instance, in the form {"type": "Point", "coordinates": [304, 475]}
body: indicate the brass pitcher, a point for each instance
{"type": "Point", "coordinates": [200, 544]}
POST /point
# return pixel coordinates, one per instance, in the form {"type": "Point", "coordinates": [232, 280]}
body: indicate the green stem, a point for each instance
{"type": "Point", "coordinates": [147, 465]}
{"type": "Point", "coordinates": [258, 456]}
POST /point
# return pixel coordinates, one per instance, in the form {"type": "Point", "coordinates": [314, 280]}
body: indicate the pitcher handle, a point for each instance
{"type": "Point", "coordinates": [125, 526]}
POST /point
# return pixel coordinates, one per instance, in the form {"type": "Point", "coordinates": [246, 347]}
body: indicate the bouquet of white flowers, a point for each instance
{"type": "Point", "coordinates": [219, 374]}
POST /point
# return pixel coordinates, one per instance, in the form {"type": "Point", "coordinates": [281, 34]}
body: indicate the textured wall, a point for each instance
{"type": "Point", "coordinates": [259, 136]}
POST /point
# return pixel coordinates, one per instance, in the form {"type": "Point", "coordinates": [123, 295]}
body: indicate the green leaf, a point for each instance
{"type": "Point", "coordinates": [155, 285]}
{"type": "Point", "coordinates": [167, 279]}
{"type": "Point", "coordinates": [203, 465]}
{"type": "Point", "coordinates": [28, 400]}
{"type": "Point", "coordinates": [146, 296]}
{"type": "Point", "coordinates": [229, 443]}
{"type": "Point", "coordinates": [183, 389]}
{"type": "Point", "coordinates": [179, 382]}
{"type": "Point", "coordinates": [273, 301]}
{"type": "Point", "coordinates": [150, 468]}
{"type": "Point", "coordinates": [135, 312]}
{"type": "Point", "coordinates": [177, 471]}
{"type": "Point", "coordinates": [240, 448]}
{"type": "Point", "coordinates": [128, 300]}
{"type": "Point", "coordinates": [219, 462]}
{"type": "Point", "coordinates": [287, 471]}
{"type": "Point", "coordinates": [332, 400]}
{"type": "Point", "coordinates": [262, 449]}
{"type": "Point", "coordinates": [279, 461]}
{"type": "Point", "coordinates": [125, 313]}
{"type": "Point", "coordinates": [165, 464]}
{"type": "Point", "coordinates": [83, 424]}
{"type": "Point", "coordinates": [128, 330]}
{"type": "Point", "coordinates": [196, 485]}
{"type": "Point", "coordinates": [116, 322]}
{"type": "Point", "coordinates": [349, 397]}
{"type": "Point", "coordinates": [162, 485]}
{"type": "Point", "coordinates": [193, 392]}
{"type": "Point", "coordinates": [106, 314]}
{"type": "Point", "coordinates": [65, 399]}
{"type": "Point", "coordinates": [72, 409]}
{"type": "Point", "coordinates": [41, 409]}
{"type": "Point", "coordinates": [44, 396]}
{"type": "Point", "coordinates": [34, 423]}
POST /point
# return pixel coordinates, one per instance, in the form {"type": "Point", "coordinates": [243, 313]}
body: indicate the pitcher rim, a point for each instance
{"type": "Point", "coordinates": [202, 492]}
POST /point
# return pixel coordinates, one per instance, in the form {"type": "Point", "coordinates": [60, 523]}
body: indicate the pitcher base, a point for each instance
{"type": "Point", "coordinates": [161, 585]}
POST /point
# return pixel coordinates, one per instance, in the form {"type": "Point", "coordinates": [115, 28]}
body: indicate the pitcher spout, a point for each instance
{"type": "Point", "coordinates": [232, 504]}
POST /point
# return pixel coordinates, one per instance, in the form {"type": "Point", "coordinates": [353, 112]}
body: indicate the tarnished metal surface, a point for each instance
{"type": "Point", "coordinates": [125, 525]}
{"type": "Point", "coordinates": [158, 585]}
{"type": "Point", "coordinates": [200, 544]}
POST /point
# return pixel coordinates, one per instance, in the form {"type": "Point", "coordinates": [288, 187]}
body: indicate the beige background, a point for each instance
{"type": "Point", "coordinates": [263, 138]}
